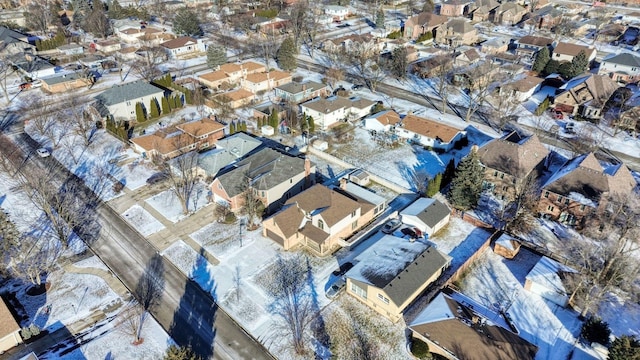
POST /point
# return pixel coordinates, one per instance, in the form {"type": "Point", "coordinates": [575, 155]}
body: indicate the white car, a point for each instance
{"type": "Point", "coordinates": [336, 288]}
{"type": "Point", "coordinates": [42, 152]}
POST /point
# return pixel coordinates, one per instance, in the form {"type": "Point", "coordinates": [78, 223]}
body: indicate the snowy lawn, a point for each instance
{"type": "Point", "coordinates": [194, 265]}
{"type": "Point", "coordinates": [92, 262]}
{"type": "Point", "coordinates": [142, 221]}
{"type": "Point", "coordinates": [459, 239]}
{"type": "Point", "coordinates": [222, 240]}
{"type": "Point", "coordinates": [169, 206]}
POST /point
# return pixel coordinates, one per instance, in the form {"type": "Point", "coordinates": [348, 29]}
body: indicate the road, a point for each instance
{"type": "Point", "coordinates": [185, 311]}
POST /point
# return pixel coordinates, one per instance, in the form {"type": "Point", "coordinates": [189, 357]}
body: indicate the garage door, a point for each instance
{"type": "Point", "coordinates": [273, 236]}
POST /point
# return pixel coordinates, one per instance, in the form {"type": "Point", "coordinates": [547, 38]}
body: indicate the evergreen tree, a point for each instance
{"type": "Point", "coordinates": [180, 353]}
{"type": "Point", "coordinates": [154, 109]}
{"type": "Point", "coordinates": [140, 115]}
{"type": "Point", "coordinates": [273, 119]}
{"type": "Point", "coordinates": [177, 102]}
{"type": "Point", "coordinates": [186, 23]}
{"type": "Point", "coordinates": [579, 65]}
{"type": "Point", "coordinates": [595, 330]}
{"type": "Point", "coordinates": [380, 19]}
{"type": "Point", "coordinates": [188, 98]}
{"type": "Point", "coordinates": [232, 128]}
{"type": "Point", "coordinates": [434, 185]}
{"type": "Point", "coordinates": [115, 10]}
{"type": "Point", "coordinates": [544, 105]}
{"type": "Point", "coordinates": [551, 67]}
{"type": "Point", "coordinates": [449, 172]}
{"type": "Point", "coordinates": [399, 62]}
{"type": "Point", "coordinates": [624, 348]}
{"type": "Point", "coordinates": [244, 126]}
{"type": "Point", "coordinates": [466, 185]}
{"type": "Point", "coordinates": [165, 106]}
{"type": "Point", "coordinates": [216, 56]}
{"type": "Point", "coordinates": [286, 55]}
{"type": "Point", "coordinates": [542, 58]}
{"type": "Point", "coordinates": [312, 125]}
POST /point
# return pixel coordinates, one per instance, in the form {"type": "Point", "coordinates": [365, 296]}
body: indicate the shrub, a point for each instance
{"type": "Point", "coordinates": [595, 330]}
{"type": "Point", "coordinates": [424, 37]}
{"type": "Point", "coordinates": [25, 333]}
{"type": "Point", "coordinates": [420, 349]}
{"type": "Point", "coordinates": [395, 35]}
{"type": "Point", "coordinates": [230, 218]}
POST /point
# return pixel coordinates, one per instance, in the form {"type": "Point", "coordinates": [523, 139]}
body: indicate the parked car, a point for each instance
{"type": "Point", "coordinates": [356, 87]}
{"type": "Point", "coordinates": [343, 269]}
{"type": "Point", "coordinates": [336, 288]}
{"type": "Point", "coordinates": [391, 225]}
{"type": "Point", "coordinates": [409, 232]}
{"type": "Point", "coordinates": [570, 128]}
{"type": "Point", "coordinates": [43, 153]}
{"type": "Point", "coordinates": [157, 177]}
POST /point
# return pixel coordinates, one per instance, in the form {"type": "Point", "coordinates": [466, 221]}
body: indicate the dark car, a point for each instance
{"type": "Point", "coordinates": [409, 232]}
{"type": "Point", "coordinates": [157, 177]}
{"type": "Point", "coordinates": [343, 269]}
{"type": "Point", "coordinates": [356, 87]}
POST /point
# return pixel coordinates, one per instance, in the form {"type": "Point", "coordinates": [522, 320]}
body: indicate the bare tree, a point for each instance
{"type": "Point", "coordinates": [182, 172]}
{"type": "Point", "coordinates": [299, 21]}
{"type": "Point", "coordinates": [9, 237]}
{"type": "Point", "coordinates": [34, 256]}
{"type": "Point", "coordinates": [146, 65]}
{"type": "Point", "coordinates": [505, 105]}
{"type": "Point", "coordinates": [41, 15]}
{"type": "Point", "coordinates": [83, 122]}
{"type": "Point", "coordinates": [5, 71]}
{"type": "Point", "coordinates": [442, 87]}
{"type": "Point", "coordinates": [291, 294]}
{"type": "Point", "coordinates": [333, 76]}
{"type": "Point", "coordinates": [518, 213]}
{"type": "Point", "coordinates": [253, 207]}
{"type": "Point", "coordinates": [131, 320]}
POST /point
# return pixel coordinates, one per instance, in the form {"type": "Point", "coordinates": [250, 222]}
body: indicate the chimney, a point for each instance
{"type": "Point", "coordinates": [343, 183]}
{"type": "Point", "coordinates": [307, 171]}
{"type": "Point", "coordinates": [304, 87]}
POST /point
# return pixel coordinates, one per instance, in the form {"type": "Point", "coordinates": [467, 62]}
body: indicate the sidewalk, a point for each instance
{"type": "Point", "coordinates": [113, 282]}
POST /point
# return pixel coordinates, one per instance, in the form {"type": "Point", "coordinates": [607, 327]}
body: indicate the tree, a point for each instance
{"type": "Point", "coordinates": [286, 55]}
{"type": "Point", "coordinates": [186, 22]}
{"type": "Point", "coordinates": [434, 185]}
{"type": "Point", "coordinates": [518, 213]}
{"type": "Point", "coordinates": [9, 237]}
{"type": "Point", "coordinates": [449, 173]}
{"type": "Point", "coordinates": [399, 62]}
{"type": "Point", "coordinates": [379, 21]}
{"type": "Point", "coordinates": [466, 185]}
{"type": "Point", "coordinates": [552, 67]}
{"type": "Point", "coordinates": [428, 6]}
{"type": "Point", "coordinates": [140, 113]}
{"type": "Point", "coordinates": [624, 348]}
{"type": "Point", "coordinates": [131, 321]}
{"type": "Point", "coordinates": [333, 76]}
{"type": "Point", "coordinates": [299, 20]}
{"type": "Point", "coordinates": [216, 56]}
{"type": "Point", "coordinates": [579, 65]}
{"type": "Point", "coordinates": [292, 301]}
{"type": "Point", "coordinates": [154, 109]}
{"type": "Point", "coordinates": [312, 124]}
{"type": "Point", "coordinates": [253, 207]}
{"type": "Point", "coordinates": [97, 22]}
{"type": "Point", "coordinates": [274, 120]}
{"type": "Point", "coordinates": [146, 65]}
{"type": "Point", "coordinates": [595, 330]}
{"type": "Point", "coordinates": [83, 121]}
{"type": "Point", "coordinates": [182, 174]}
{"type": "Point", "coordinates": [166, 109]}
{"type": "Point", "coordinates": [175, 352]}
{"type": "Point", "coordinates": [542, 58]}
{"type": "Point", "coordinates": [40, 15]}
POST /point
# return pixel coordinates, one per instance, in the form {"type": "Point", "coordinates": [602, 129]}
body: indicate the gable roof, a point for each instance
{"type": "Point", "coordinates": [331, 204]}
{"type": "Point", "coordinates": [57, 79]}
{"type": "Point", "coordinates": [264, 76]}
{"type": "Point", "coordinates": [327, 105]}
{"type": "Point", "coordinates": [398, 266]}
{"type": "Point", "coordinates": [9, 36]}
{"type": "Point", "coordinates": [546, 273]}
{"type": "Point", "coordinates": [571, 49]}
{"type": "Point", "coordinates": [513, 154]}
{"type": "Point", "coordinates": [429, 211]}
{"type": "Point", "coordinates": [386, 117]}
{"type": "Point", "coordinates": [8, 324]}
{"type": "Point", "coordinates": [234, 95]}
{"type": "Point", "coordinates": [126, 92]}
{"type": "Point", "coordinates": [525, 84]}
{"type": "Point", "coordinates": [623, 59]}
{"type": "Point", "coordinates": [535, 40]}
{"type": "Point", "coordinates": [164, 141]}
{"type": "Point", "coordinates": [460, 26]}
{"type": "Point", "coordinates": [469, 330]}
{"type": "Point", "coordinates": [201, 127]}
{"type": "Point", "coordinates": [427, 19]}
{"type": "Point", "coordinates": [429, 128]}
{"type": "Point", "coordinates": [600, 87]}
{"type": "Point", "coordinates": [298, 87]}
{"type": "Point", "coordinates": [228, 150]}
{"type": "Point", "coordinates": [178, 42]}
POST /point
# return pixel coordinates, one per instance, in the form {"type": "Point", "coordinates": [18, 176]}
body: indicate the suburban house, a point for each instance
{"type": "Point", "coordinates": [529, 45]}
{"type": "Point", "coordinates": [545, 279]}
{"type": "Point", "coordinates": [265, 110]}
{"type": "Point", "coordinates": [433, 66]}
{"type": "Point", "coordinates": [338, 13]}
{"type": "Point", "coordinates": [360, 108]}
{"type": "Point", "coordinates": [265, 81]}
{"type": "Point", "coordinates": [565, 51]}
{"type": "Point", "coordinates": [456, 32]}
{"type": "Point", "coordinates": [422, 23]}
{"type": "Point", "coordinates": [71, 49]}
{"type": "Point", "coordinates": [230, 73]}
{"type": "Point", "coordinates": [273, 176]}
{"type": "Point", "coordinates": [321, 217]}
{"type": "Point", "coordinates": [134, 35]}
{"type": "Point", "coordinates": [381, 121]}
{"type": "Point", "coordinates": [297, 92]}
{"type": "Point", "coordinates": [34, 67]}
{"type": "Point", "coordinates": [235, 99]}
{"type": "Point", "coordinates": [426, 214]}
{"type": "Point", "coordinates": [628, 120]}
{"type": "Point", "coordinates": [509, 13]}
{"type": "Point", "coordinates": [176, 140]}
{"type": "Point", "coordinates": [483, 10]}
{"type": "Point", "coordinates": [9, 329]}
{"type": "Point", "coordinates": [455, 7]}
{"type": "Point", "coordinates": [327, 112]}
{"type": "Point", "coordinates": [495, 45]}
{"type": "Point", "coordinates": [457, 327]}
{"type": "Point", "coordinates": [120, 101]}
{"type": "Point", "coordinates": [522, 89]}
{"type": "Point", "coordinates": [509, 160]}
{"type": "Point", "coordinates": [106, 46]}
{"type": "Point", "coordinates": [430, 133]}
{"type": "Point", "coordinates": [184, 46]}
{"type": "Point", "coordinates": [580, 187]}
{"type": "Point", "coordinates": [585, 95]}
{"type": "Point", "coordinates": [228, 150]}
{"type": "Point", "coordinates": [623, 68]}
{"type": "Point", "coordinates": [65, 82]}
{"type": "Point", "coordinates": [354, 44]}
{"type": "Point", "coordinates": [13, 42]}
{"type": "Point", "coordinates": [467, 57]}
{"type": "Point", "coordinates": [390, 274]}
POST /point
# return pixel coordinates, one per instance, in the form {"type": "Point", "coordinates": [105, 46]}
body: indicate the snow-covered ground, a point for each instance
{"type": "Point", "coordinates": [168, 204]}
{"type": "Point", "coordinates": [142, 221]}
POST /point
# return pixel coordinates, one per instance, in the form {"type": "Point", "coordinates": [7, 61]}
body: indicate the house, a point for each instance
{"type": "Point", "coordinates": [467, 57]}
{"type": "Point", "coordinates": [320, 217]}
{"type": "Point", "coordinates": [585, 95]}
{"type": "Point", "coordinates": [628, 120]}
{"type": "Point", "coordinates": [34, 67]}
{"type": "Point", "coordinates": [173, 141]}
{"type": "Point", "coordinates": [327, 112]}
{"type": "Point", "coordinates": [9, 329]}
{"type": "Point", "coordinates": [297, 92]}
{"type": "Point", "coordinates": [545, 17]}
{"type": "Point", "coordinates": [230, 73]}
{"type": "Point", "coordinates": [107, 46]}
{"type": "Point", "coordinates": [127, 53]}
{"type": "Point", "coordinates": [483, 10]}
{"type": "Point", "coordinates": [71, 49]}
{"type": "Point", "coordinates": [273, 176]}
{"type": "Point", "coordinates": [423, 23]}
{"type": "Point", "coordinates": [65, 82]}
{"type": "Point", "coordinates": [354, 44]}
{"type": "Point", "coordinates": [509, 160]}
{"type": "Point", "coordinates": [580, 187]}
{"type": "Point", "coordinates": [509, 13]}
{"type": "Point", "coordinates": [235, 99]}
{"type": "Point", "coordinates": [433, 66]}
{"type": "Point", "coordinates": [119, 102]}
{"type": "Point", "coordinates": [381, 121]}
{"type": "Point", "coordinates": [390, 274]}
{"type": "Point", "coordinates": [265, 81]}
{"type": "Point", "coordinates": [214, 79]}
{"type": "Point", "coordinates": [338, 13]}
{"type": "Point", "coordinates": [529, 45]}
{"type": "Point", "coordinates": [265, 110]}
{"type": "Point", "coordinates": [457, 327]}
{"type": "Point", "coordinates": [360, 108]}
{"type": "Point", "coordinates": [545, 279]}
{"type": "Point", "coordinates": [565, 51]}
{"type": "Point", "coordinates": [456, 32]}
{"type": "Point", "coordinates": [429, 133]}
{"type": "Point", "coordinates": [13, 42]}
{"type": "Point", "coordinates": [184, 46]}
{"type": "Point", "coordinates": [455, 7]}
{"type": "Point", "coordinates": [227, 151]}
{"type": "Point", "coordinates": [623, 68]}
{"type": "Point", "coordinates": [611, 32]}
{"type": "Point", "coordinates": [426, 214]}
{"type": "Point", "coordinates": [522, 89]}
{"type": "Point", "coordinates": [135, 35]}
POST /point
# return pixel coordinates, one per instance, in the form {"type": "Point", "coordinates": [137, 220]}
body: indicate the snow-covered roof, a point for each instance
{"type": "Point", "coordinates": [545, 273]}
{"type": "Point", "coordinates": [429, 211]}
{"type": "Point", "coordinates": [363, 193]}
{"type": "Point", "coordinates": [506, 241]}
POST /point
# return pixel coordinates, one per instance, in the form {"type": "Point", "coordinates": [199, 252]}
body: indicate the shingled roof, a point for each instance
{"type": "Point", "coordinates": [623, 59]}
{"type": "Point", "coordinates": [7, 323]}
{"type": "Point", "coordinates": [513, 154]}
{"type": "Point", "coordinates": [429, 128]}
{"type": "Point", "coordinates": [118, 94]}
{"type": "Point", "coordinates": [571, 49]}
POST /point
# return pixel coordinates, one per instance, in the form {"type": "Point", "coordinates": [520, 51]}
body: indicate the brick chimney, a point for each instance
{"type": "Point", "coordinates": [307, 171]}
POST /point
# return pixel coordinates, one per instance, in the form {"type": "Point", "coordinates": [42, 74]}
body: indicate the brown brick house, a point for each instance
{"type": "Point", "coordinates": [456, 32]}
{"type": "Point", "coordinates": [585, 95]}
{"type": "Point", "coordinates": [422, 23]}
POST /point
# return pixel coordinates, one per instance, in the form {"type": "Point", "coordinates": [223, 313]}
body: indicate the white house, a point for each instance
{"type": "Point", "coordinates": [184, 45]}
{"type": "Point", "coordinates": [427, 214]}
{"type": "Point", "coordinates": [327, 112]}
{"type": "Point", "coordinates": [522, 89]}
{"type": "Point", "coordinates": [360, 108]}
{"type": "Point", "coordinates": [71, 49]}
{"type": "Point", "coordinates": [623, 67]}
{"type": "Point", "coordinates": [120, 100]}
{"type": "Point", "coordinates": [36, 67]}
{"type": "Point", "coordinates": [336, 12]}
{"type": "Point", "coordinates": [10, 330]}
{"type": "Point", "coordinates": [381, 121]}
{"type": "Point", "coordinates": [544, 280]}
{"type": "Point", "coordinates": [429, 133]}
{"type": "Point", "coordinates": [567, 51]}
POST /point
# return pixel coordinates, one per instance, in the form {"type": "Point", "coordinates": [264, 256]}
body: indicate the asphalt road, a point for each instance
{"type": "Point", "coordinates": [185, 311]}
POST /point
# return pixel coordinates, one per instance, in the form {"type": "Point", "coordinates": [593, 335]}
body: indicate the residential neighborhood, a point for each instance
{"type": "Point", "coordinates": [195, 179]}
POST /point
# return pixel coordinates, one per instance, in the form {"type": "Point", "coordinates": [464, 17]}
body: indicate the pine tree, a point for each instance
{"type": "Point", "coordinates": [273, 119]}
{"type": "Point", "coordinates": [380, 19]}
{"type": "Point", "coordinates": [624, 348]}
{"type": "Point", "coordinates": [154, 109]}
{"type": "Point", "coordinates": [232, 128]}
{"type": "Point", "coordinates": [140, 116]}
{"type": "Point", "coordinates": [188, 98]}
{"type": "Point", "coordinates": [399, 62]}
{"type": "Point", "coordinates": [286, 55]}
{"type": "Point", "coordinates": [434, 185]}
{"type": "Point", "coordinates": [216, 56]}
{"type": "Point", "coordinates": [579, 65]}
{"type": "Point", "coordinates": [244, 126]}
{"type": "Point", "coordinates": [186, 23]}
{"type": "Point", "coordinates": [165, 106]}
{"type": "Point", "coordinates": [312, 125]}
{"type": "Point", "coordinates": [449, 172]}
{"type": "Point", "coordinates": [542, 58]}
{"type": "Point", "coordinates": [551, 67]}
{"type": "Point", "coordinates": [177, 102]}
{"type": "Point", "coordinates": [466, 185]}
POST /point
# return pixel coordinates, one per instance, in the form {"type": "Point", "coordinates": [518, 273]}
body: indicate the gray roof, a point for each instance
{"type": "Point", "coordinates": [10, 36]}
{"type": "Point", "coordinates": [429, 211]}
{"type": "Point", "coordinates": [364, 193]}
{"type": "Point", "coordinates": [52, 80]}
{"type": "Point", "coordinates": [127, 92]}
{"type": "Point", "coordinates": [266, 168]}
{"type": "Point", "coordinates": [227, 151]}
{"type": "Point", "coordinates": [296, 87]}
{"type": "Point", "coordinates": [624, 59]}
{"type": "Point", "coordinates": [327, 105]}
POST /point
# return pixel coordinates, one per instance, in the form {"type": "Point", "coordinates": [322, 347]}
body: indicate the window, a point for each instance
{"type": "Point", "coordinates": [290, 181]}
{"type": "Point", "coordinates": [546, 194]}
{"type": "Point", "coordinates": [502, 176]}
{"type": "Point", "coordinates": [560, 198]}
{"type": "Point", "coordinates": [582, 207]}
{"type": "Point", "coordinates": [383, 298]}
{"type": "Point", "coordinates": [353, 214]}
{"type": "Point", "coordinates": [358, 291]}
{"type": "Point", "coordinates": [262, 194]}
{"type": "Point", "coordinates": [550, 208]}
{"type": "Point", "coordinates": [495, 173]}
{"type": "Point", "coordinates": [320, 224]}
{"type": "Point", "coordinates": [128, 103]}
{"type": "Point", "coordinates": [504, 188]}
{"type": "Point", "coordinates": [354, 225]}
{"type": "Point", "coordinates": [566, 201]}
